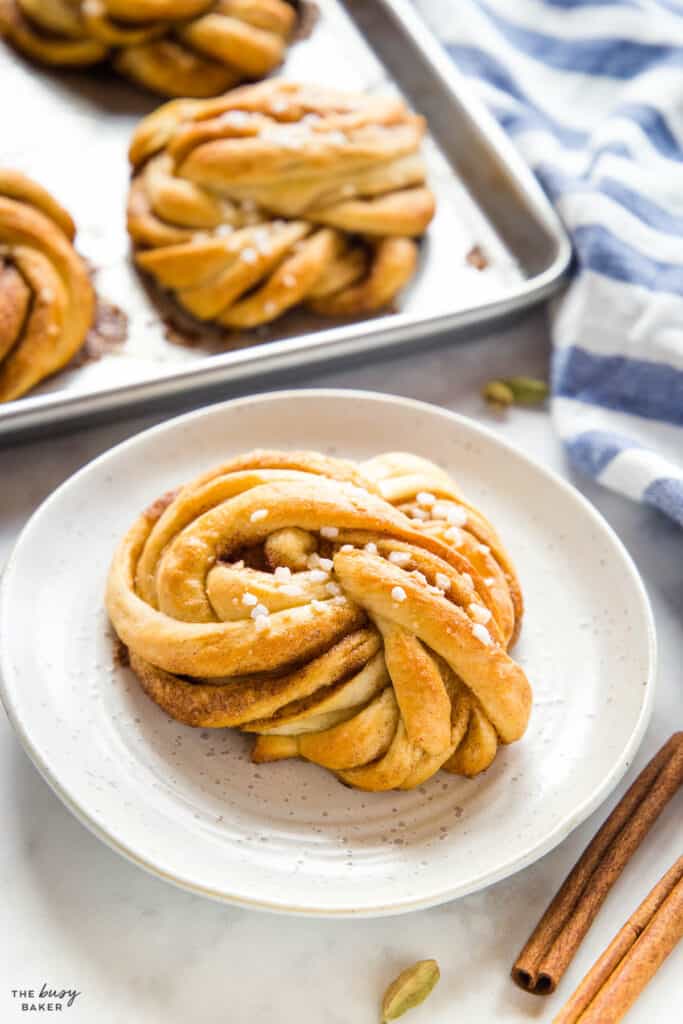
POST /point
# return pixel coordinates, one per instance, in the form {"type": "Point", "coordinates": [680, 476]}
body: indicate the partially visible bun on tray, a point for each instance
{"type": "Point", "coordinates": [278, 195]}
{"type": "Point", "coordinates": [173, 47]}
{"type": "Point", "coordinates": [47, 302]}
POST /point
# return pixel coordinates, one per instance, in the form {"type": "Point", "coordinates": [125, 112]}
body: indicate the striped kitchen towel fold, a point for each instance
{"type": "Point", "coordinates": [592, 93]}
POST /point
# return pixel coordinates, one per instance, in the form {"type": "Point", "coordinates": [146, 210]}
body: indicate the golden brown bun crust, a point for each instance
{"type": "Point", "coordinates": [349, 615]}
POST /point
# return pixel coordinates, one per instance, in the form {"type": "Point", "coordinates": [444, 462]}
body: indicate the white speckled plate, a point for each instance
{"type": "Point", "coordinates": [188, 804]}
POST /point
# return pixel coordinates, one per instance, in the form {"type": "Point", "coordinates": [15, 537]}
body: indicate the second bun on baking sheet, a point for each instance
{"type": "Point", "coordinates": [278, 195]}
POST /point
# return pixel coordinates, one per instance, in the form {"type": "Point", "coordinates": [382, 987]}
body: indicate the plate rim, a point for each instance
{"type": "Point", "coordinates": [533, 853]}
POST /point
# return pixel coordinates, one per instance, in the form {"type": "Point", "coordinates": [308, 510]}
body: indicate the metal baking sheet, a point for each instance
{"type": "Point", "coordinates": [70, 131]}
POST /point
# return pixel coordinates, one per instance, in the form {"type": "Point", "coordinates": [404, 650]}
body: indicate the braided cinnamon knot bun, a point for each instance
{"type": "Point", "coordinates": [279, 194]}
{"type": "Point", "coordinates": [173, 47]}
{"type": "Point", "coordinates": [46, 299]}
{"type": "Point", "coordinates": [355, 616]}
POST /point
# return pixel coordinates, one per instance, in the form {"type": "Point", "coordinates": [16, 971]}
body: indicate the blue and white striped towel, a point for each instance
{"type": "Point", "coordinates": [592, 93]}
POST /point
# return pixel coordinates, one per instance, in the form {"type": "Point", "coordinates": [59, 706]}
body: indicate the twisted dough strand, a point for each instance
{"type": "Point", "coordinates": [46, 299]}
{"type": "Point", "coordinates": [279, 194]}
{"type": "Point", "coordinates": [173, 47]}
{"type": "Point", "coordinates": [335, 611]}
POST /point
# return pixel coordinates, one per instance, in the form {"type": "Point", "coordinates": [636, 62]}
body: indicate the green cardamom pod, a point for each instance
{"type": "Point", "coordinates": [528, 390]}
{"type": "Point", "coordinates": [410, 989]}
{"type": "Point", "coordinates": [498, 394]}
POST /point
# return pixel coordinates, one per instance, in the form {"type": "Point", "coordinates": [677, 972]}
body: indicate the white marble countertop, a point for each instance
{"type": "Point", "coordinates": [78, 916]}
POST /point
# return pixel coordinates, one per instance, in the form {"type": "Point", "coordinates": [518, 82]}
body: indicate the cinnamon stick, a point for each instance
{"type": "Point", "coordinates": [632, 958]}
{"type": "Point", "coordinates": [557, 936]}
